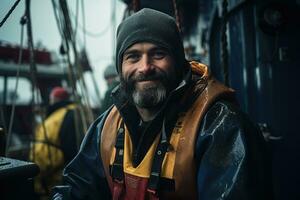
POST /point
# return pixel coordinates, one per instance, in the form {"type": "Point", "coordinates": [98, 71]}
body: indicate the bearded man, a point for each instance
{"type": "Point", "coordinates": [174, 132]}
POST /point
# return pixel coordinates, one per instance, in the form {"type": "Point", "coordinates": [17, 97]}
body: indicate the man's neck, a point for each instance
{"type": "Point", "coordinates": [147, 114]}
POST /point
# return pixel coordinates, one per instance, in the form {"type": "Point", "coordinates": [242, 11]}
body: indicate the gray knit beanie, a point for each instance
{"type": "Point", "coordinates": [152, 26]}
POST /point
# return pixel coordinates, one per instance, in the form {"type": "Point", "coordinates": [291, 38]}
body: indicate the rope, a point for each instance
{"type": "Point", "coordinates": [84, 52]}
{"type": "Point", "coordinates": [113, 23]}
{"type": "Point", "coordinates": [33, 70]}
{"type": "Point", "coordinates": [224, 42]}
{"type": "Point", "coordinates": [82, 84]}
{"type": "Point", "coordinates": [76, 18]}
{"type": "Point", "coordinates": [11, 121]}
{"type": "Point", "coordinates": [9, 12]}
{"type": "Point", "coordinates": [69, 37]}
{"type": "Point", "coordinates": [80, 70]}
{"type": "Point", "coordinates": [58, 23]}
{"type": "Point", "coordinates": [90, 33]}
{"type": "Point", "coordinates": [83, 23]}
{"type": "Point", "coordinates": [99, 34]}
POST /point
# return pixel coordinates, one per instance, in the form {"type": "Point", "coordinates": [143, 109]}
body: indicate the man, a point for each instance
{"type": "Point", "coordinates": [112, 80]}
{"type": "Point", "coordinates": [56, 142]}
{"type": "Point", "coordinates": [174, 132]}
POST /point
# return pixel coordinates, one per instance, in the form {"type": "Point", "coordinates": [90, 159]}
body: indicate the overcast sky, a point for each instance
{"type": "Point", "coordinates": [45, 31]}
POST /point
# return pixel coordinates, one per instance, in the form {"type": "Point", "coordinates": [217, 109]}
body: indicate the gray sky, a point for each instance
{"type": "Point", "coordinates": [45, 31]}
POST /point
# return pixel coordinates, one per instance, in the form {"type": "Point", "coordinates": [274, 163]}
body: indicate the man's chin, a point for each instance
{"type": "Point", "coordinates": [149, 97]}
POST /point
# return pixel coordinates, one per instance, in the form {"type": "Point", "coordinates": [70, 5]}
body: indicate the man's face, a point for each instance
{"type": "Point", "coordinates": [148, 74]}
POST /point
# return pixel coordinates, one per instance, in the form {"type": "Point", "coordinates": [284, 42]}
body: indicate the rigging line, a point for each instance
{"type": "Point", "coordinates": [113, 22]}
{"type": "Point", "coordinates": [33, 71]}
{"type": "Point", "coordinates": [76, 18]}
{"type": "Point", "coordinates": [80, 113]}
{"type": "Point", "coordinates": [11, 120]}
{"type": "Point", "coordinates": [86, 95]}
{"type": "Point", "coordinates": [82, 83]}
{"type": "Point", "coordinates": [57, 20]}
{"type": "Point", "coordinates": [98, 34]}
{"type": "Point", "coordinates": [60, 24]}
{"type": "Point", "coordinates": [79, 74]}
{"type": "Point", "coordinates": [84, 91]}
{"type": "Point", "coordinates": [84, 44]}
{"type": "Point", "coordinates": [33, 68]}
{"type": "Point", "coordinates": [90, 33]}
{"type": "Point", "coordinates": [71, 39]}
{"type": "Point", "coordinates": [78, 120]}
{"type": "Point", "coordinates": [9, 12]}
{"type": "Point", "coordinates": [83, 23]}
{"type": "Point", "coordinates": [86, 98]}
{"type": "Point", "coordinates": [60, 21]}
{"type": "Point", "coordinates": [67, 23]}
{"type": "Point", "coordinates": [68, 37]}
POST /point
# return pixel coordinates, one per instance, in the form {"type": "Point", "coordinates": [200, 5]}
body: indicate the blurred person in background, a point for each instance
{"type": "Point", "coordinates": [112, 80]}
{"type": "Point", "coordinates": [56, 141]}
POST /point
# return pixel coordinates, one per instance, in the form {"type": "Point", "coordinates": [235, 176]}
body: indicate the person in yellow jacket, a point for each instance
{"type": "Point", "coordinates": [56, 141]}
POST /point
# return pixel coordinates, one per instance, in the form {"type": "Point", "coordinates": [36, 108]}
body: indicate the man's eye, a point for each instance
{"type": "Point", "coordinates": [132, 57]}
{"type": "Point", "coordinates": [159, 54]}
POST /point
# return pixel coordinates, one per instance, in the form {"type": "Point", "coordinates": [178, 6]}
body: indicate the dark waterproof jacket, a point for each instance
{"type": "Point", "coordinates": [230, 157]}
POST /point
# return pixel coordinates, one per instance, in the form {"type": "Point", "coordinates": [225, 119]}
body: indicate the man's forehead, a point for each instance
{"type": "Point", "coordinates": [143, 46]}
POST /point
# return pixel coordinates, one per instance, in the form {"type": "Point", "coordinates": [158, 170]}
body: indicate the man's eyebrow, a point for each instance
{"type": "Point", "coordinates": [159, 49]}
{"type": "Point", "coordinates": [130, 51]}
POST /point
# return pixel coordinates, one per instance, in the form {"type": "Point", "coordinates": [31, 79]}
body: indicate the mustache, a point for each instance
{"type": "Point", "coordinates": [128, 83]}
{"type": "Point", "coordinates": [133, 78]}
{"type": "Point", "coordinates": [147, 77]}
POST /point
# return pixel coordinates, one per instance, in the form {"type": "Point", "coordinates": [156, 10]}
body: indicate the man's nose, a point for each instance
{"type": "Point", "coordinates": [145, 65]}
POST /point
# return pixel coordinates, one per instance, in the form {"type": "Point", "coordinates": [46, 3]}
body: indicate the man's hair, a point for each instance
{"type": "Point", "coordinates": [155, 27]}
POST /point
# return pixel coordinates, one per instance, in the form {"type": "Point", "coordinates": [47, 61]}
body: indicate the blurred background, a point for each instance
{"type": "Point", "coordinates": [94, 22]}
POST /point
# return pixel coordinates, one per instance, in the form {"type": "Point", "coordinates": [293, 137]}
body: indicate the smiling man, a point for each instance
{"type": "Point", "coordinates": [174, 132]}
{"type": "Point", "coordinates": [148, 76]}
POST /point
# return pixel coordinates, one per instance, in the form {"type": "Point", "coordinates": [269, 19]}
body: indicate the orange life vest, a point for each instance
{"type": "Point", "coordinates": [178, 163]}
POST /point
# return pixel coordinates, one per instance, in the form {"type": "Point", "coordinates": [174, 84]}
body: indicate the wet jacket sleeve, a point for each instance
{"type": "Point", "coordinates": [231, 156]}
{"type": "Point", "coordinates": [84, 177]}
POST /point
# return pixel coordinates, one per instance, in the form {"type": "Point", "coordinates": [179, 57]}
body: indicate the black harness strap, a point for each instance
{"type": "Point", "coordinates": [161, 149]}
{"type": "Point", "coordinates": [117, 172]}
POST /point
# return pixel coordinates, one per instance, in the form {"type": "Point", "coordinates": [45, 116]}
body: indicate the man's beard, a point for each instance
{"type": "Point", "coordinates": [149, 95]}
